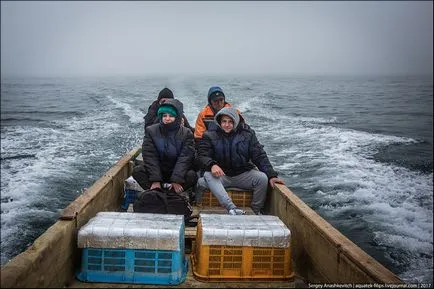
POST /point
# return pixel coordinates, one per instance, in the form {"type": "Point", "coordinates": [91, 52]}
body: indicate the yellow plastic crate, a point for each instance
{"type": "Point", "coordinates": [215, 263]}
{"type": "Point", "coordinates": [239, 198]}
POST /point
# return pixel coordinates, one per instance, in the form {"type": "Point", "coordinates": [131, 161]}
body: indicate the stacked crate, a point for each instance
{"type": "Point", "coordinates": [242, 248]}
{"type": "Point", "coordinates": [133, 248]}
{"type": "Point", "coordinates": [241, 198]}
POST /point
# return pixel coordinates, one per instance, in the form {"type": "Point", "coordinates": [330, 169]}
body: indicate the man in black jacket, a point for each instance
{"type": "Point", "coordinates": [151, 116]}
{"type": "Point", "coordinates": [168, 151]}
{"type": "Point", "coordinates": [228, 156]}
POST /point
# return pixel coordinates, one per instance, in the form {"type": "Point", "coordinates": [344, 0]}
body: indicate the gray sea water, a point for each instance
{"type": "Point", "coordinates": [358, 150]}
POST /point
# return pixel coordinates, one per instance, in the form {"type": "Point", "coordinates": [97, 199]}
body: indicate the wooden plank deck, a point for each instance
{"type": "Point", "coordinates": [191, 282]}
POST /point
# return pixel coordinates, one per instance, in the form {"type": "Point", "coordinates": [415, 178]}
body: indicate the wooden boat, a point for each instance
{"type": "Point", "coordinates": [320, 253]}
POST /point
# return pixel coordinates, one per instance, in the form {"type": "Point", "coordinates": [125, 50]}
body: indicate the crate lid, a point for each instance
{"type": "Point", "coordinates": [132, 231]}
{"type": "Point", "coordinates": [244, 230]}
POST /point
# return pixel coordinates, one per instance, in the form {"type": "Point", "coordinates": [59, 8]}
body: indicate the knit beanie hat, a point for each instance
{"type": "Point", "coordinates": [167, 109]}
{"type": "Point", "coordinates": [165, 93]}
{"type": "Point", "coordinates": [215, 91]}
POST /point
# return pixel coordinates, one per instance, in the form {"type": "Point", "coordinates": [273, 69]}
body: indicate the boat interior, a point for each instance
{"type": "Point", "coordinates": [319, 253]}
{"type": "Point", "coordinates": [241, 197]}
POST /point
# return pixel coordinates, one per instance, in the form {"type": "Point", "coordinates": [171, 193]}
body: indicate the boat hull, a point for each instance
{"type": "Point", "coordinates": [320, 253]}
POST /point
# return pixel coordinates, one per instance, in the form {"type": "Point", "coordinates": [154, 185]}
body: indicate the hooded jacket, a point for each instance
{"type": "Point", "coordinates": [205, 121]}
{"type": "Point", "coordinates": [168, 149]}
{"type": "Point", "coordinates": [205, 118]}
{"type": "Point", "coordinates": [235, 152]}
{"type": "Point", "coordinates": [151, 116]}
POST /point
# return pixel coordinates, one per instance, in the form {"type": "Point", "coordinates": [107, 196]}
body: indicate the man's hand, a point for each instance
{"type": "Point", "coordinates": [217, 171]}
{"type": "Point", "coordinates": [155, 185]}
{"type": "Point", "coordinates": [276, 180]}
{"type": "Point", "coordinates": [177, 187]}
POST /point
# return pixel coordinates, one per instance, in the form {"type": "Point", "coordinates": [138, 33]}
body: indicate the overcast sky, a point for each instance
{"type": "Point", "coordinates": [284, 37]}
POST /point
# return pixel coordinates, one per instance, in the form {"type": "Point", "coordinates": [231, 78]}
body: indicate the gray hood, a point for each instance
{"type": "Point", "coordinates": [229, 111]}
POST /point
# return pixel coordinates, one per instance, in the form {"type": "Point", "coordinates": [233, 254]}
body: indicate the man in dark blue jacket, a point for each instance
{"type": "Point", "coordinates": [229, 155]}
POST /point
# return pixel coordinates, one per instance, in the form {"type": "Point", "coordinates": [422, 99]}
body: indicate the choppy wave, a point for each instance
{"type": "Point", "coordinates": [8, 120]}
{"type": "Point", "coordinates": [306, 125]}
{"type": "Point", "coordinates": [127, 109]}
{"type": "Point", "coordinates": [17, 157]}
{"type": "Point", "coordinates": [40, 112]}
{"type": "Point", "coordinates": [338, 167]}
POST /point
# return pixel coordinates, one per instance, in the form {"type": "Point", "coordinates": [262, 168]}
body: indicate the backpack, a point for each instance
{"type": "Point", "coordinates": [160, 201]}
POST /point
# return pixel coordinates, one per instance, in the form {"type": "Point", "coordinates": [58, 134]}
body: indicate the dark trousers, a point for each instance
{"type": "Point", "coordinates": [142, 177]}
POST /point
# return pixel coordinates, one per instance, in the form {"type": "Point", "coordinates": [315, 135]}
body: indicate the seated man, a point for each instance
{"type": "Point", "coordinates": [228, 156]}
{"type": "Point", "coordinates": [168, 151]}
{"type": "Point", "coordinates": [205, 118]}
{"type": "Point", "coordinates": [151, 116]}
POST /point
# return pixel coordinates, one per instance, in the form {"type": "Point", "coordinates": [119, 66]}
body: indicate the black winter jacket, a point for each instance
{"type": "Point", "coordinates": [168, 150]}
{"type": "Point", "coordinates": [234, 152]}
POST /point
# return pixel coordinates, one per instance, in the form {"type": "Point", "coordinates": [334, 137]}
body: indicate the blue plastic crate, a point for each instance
{"type": "Point", "coordinates": [133, 266]}
{"type": "Point", "coordinates": [129, 198]}
{"type": "Point", "coordinates": [133, 248]}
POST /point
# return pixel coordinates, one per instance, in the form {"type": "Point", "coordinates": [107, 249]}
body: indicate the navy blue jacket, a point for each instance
{"type": "Point", "coordinates": [168, 150]}
{"type": "Point", "coordinates": [235, 152]}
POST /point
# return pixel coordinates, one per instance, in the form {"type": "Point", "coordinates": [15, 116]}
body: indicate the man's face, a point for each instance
{"type": "Point", "coordinates": [217, 102]}
{"type": "Point", "coordinates": [226, 123]}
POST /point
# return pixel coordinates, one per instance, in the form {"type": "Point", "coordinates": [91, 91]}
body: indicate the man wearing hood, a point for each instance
{"type": "Point", "coordinates": [228, 156]}
{"type": "Point", "coordinates": [168, 151]}
{"type": "Point", "coordinates": [151, 116]}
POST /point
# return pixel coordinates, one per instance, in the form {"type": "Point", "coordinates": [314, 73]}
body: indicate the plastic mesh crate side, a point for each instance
{"type": "Point", "coordinates": [140, 266]}
{"type": "Point", "coordinates": [240, 198]}
{"type": "Point", "coordinates": [133, 266]}
{"type": "Point", "coordinates": [215, 262]}
{"type": "Point", "coordinates": [239, 263]}
{"type": "Point", "coordinates": [219, 263]}
{"type": "Point", "coordinates": [227, 261]}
